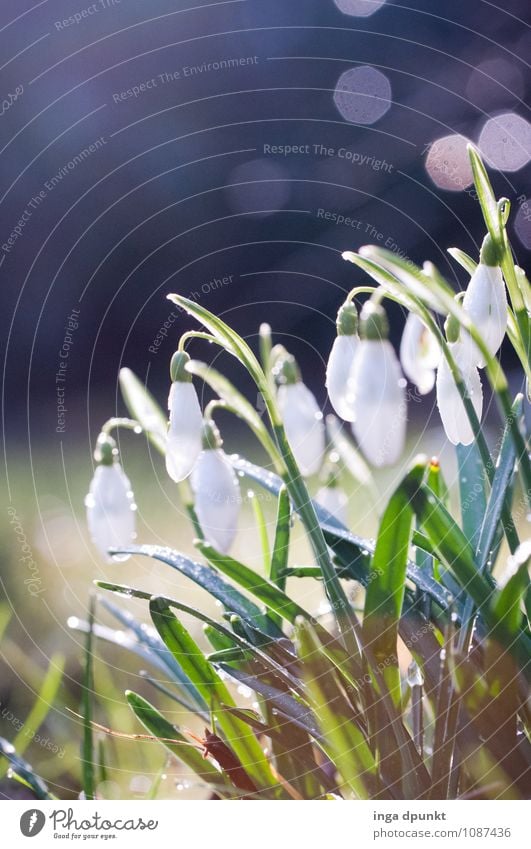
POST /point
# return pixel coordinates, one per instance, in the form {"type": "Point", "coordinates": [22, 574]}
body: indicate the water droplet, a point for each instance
{"type": "Point", "coordinates": [442, 654]}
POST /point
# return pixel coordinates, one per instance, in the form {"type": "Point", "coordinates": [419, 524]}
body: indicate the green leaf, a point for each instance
{"type": "Point", "coordinates": [43, 704]}
{"type": "Point", "coordinates": [202, 673]}
{"type": "Point", "coordinates": [472, 491]}
{"type": "Point", "coordinates": [143, 407]}
{"type": "Point", "coordinates": [280, 555]}
{"type": "Point", "coordinates": [87, 750]}
{"type": "Point", "coordinates": [210, 581]}
{"type": "Point", "coordinates": [274, 598]}
{"type": "Point", "coordinates": [487, 199]}
{"type": "Point", "coordinates": [235, 401]}
{"type": "Point", "coordinates": [464, 260]}
{"type": "Point", "coordinates": [24, 772]}
{"type": "Point", "coordinates": [354, 551]}
{"type": "Point", "coordinates": [386, 585]}
{"type": "Point", "coordinates": [265, 660]}
{"type": "Point", "coordinates": [343, 740]}
{"type": "Point", "coordinates": [155, 645]}
{"type": "Point", "coordinates": [171, 738]}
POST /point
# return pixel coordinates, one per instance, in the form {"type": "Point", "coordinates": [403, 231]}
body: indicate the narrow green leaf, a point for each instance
{"type": "Point", "coordinates": [344, 741]}
{"type": "Point", "coordinates": [43, 704]}
{"type": "Point", "coordinates": [385, 591]}
{"type": "Point", "coordinates": [487, 199]}
{"type": "Point", "coordinates": [24, 772]}
{"type": "Point", "coordinates": [280, 554]}
{"type": "Point", "coordinates": [213, 690]}
{"type": "Point", "coordinates": [143, 407]}
{"type": "Point", "coordinates": [210, 581]}
{"type": "Point", "coordinates": [87, 751]}
{"type": "Point", "coordinates": [464, 260]}
{"type": "Point", "coordinates": [471, 490]}
{"type": "Point", "coordinates": [171, 738]}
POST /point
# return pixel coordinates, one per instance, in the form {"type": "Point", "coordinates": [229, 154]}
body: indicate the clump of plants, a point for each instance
{"type": "Point", "coordinates": [421, 693]}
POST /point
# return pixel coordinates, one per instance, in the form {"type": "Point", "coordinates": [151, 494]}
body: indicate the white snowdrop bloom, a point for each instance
{"type": "Point", "coordinates": [449, 401]}
{"type": "Point", "coordinates": [302, 419]}
{"type": "Point", "coordinates": [217, 492]}
{"type": "Point", "coordinates": [335, 500]}
{"type": "Point", "coordinates": [485, 302]}
{"type": "Point", "coordinates": [379, 396]}
{"type": "Point", "coordinates": [340, 361]}
{"type": "Point", "coordinates": [419, 354]}
{"type": "Point", "coordinates": [186, 422]}
{"type": "Point", "coordinates": [110, 503]}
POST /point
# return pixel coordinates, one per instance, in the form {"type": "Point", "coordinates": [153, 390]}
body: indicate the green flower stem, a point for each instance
{"type": "Point", "coordinates": [128, 424]}
{"type": "Point", "coordinates": [196, 334]}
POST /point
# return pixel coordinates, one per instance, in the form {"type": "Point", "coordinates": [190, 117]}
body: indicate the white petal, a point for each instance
{"type": "Point", "coordinates": [419, 354]}
{"type": "Point", "coordinates": [110, 509]}
{"type": "Point", "coordinates": [303, 421]}
{"type": "Point", "coordinates": [485, 301]}
{"type": "Point", "coordinates": [451, 407]}
{"type": "Point", "coordinates": [333, 499]}
{"type": "Point", "coordinates": [338, 376]}
{"type": "Point", "coordinates": [380, 402]}
{"type": "Point", "coordinates": [217, 498]}
{"type": "Point", "coordinates": [185, 430]}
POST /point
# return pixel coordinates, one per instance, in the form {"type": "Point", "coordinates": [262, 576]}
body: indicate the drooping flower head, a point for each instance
{"type": "Point", "coordinates": [485, 302]}
{"type": "Point", "coordinates": [110, 502]}
{"type": "Point", "coordinates": [186, 421]}
{"type": "Point", "coordinates": [419, 354]}
{"type": "Point", "coordinates": [216, 490]}
{"type": "Point", "coordinates": [302, 418]}
{"type": "Point", "coordinates": [378, 387]}
{"type": "Point", "coordinates": [449, 401]}
{"type": "Point", "coordinates": [338, 372]}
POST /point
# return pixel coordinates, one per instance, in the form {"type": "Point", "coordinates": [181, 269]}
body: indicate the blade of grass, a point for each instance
{"type": "Point", "coordinates": [87, 751]}
{"type": "Point", "coordinates": [209, 684]}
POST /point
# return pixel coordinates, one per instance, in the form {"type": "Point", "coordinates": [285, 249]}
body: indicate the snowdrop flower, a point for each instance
{"type": "Point", "coordinates": [419, 354]}
{"type": "Point", "coordinates": [301, 416]}
{"type": "Point", "coordinates": [340, 362]}
{"type": "Point", "coordinates": [331, 496]}
{"type": "Point", "coordinates": [485, 302]}
{"type": "Point", "coordinates": [378, 386]}
{"type": "Point", "coordinates": [449, 401]}
{"type": "Point", "coordinates": [216, 490]}
{"type": "Point", "coordinates": [110, 502]}
{"type": "Point", "coordinates": [186, 421]}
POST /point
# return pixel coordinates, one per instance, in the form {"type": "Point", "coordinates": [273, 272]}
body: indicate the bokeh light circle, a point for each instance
{"type": "Point", "coordinates": [362, 95]}
{"type": "Point", "coordinates": [448, 164]}
{"type": "Point", "coordinates": [505, 142]}
{"type": "Point", "coordinates": [359, 8]}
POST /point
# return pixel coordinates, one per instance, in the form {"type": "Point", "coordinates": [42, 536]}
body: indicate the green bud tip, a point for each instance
{"type": "Point", "coordinates": [347, 320]}
{"type": "Point", "coordinates": [178, 371]}
{"type": "Point", "coordinates": [286, 370]}
{"type": "Point", "coordinates": [373, 322]}
{"type": "Point", "coordinates": [106, 451]}
{"type": "Point", "coordinates": [211, 436]}
{"type": "Point", "coordinates": [490, 252]}
{"type": "Point", "coordinates": [452, 329]}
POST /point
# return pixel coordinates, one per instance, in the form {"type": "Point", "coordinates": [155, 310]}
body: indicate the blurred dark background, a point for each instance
{"type": "Point", "coordinates": [178, 106]}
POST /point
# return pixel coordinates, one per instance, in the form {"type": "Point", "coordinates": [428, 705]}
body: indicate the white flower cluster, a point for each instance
{"type": "Point", "coordinates": [366, 388]}
{"type": "Point", "coordinates": [365, 382]}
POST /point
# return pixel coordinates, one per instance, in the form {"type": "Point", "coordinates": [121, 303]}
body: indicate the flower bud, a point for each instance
{"type": "Point", "coordinates": [419, 354]}
{"type": "Point", "coordinates": [485, 302]}
{"type": "Point", "coordinates": [339, 366]}
{"type": "Point", "coordinates": [110, 501]}
{"type": "Point", "coordinates": [302, 418]}
{"type": "Point", "coordinates": [378, 388]}
{"type": "Point", "coordinates": [186, 421]}
{"type": "Point", "coordinates": [217, 492]}
{"type": "Point", "coordinates": [451, 408]}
